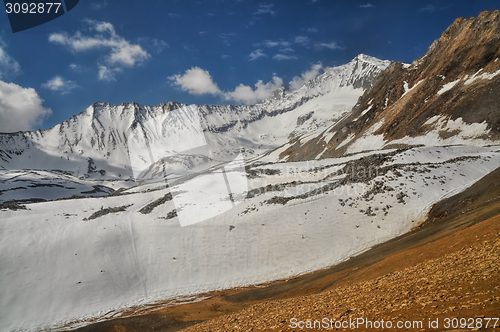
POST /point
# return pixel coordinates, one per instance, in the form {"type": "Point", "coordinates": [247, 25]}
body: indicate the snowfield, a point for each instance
{"type": "Point", "coordinates": [67, 262]}
{"type": "Point", "coordinates": [120, 207]}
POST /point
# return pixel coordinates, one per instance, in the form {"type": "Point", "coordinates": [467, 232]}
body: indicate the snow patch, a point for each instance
{"type": "Point", "coordinates": [461, 133]}
{"type": "Point", "coordinates": [447, 87]}
{"type": "Point", "coordinates": [405, 85]}
{"type": "Point", "coordinates": [57, 269]}
{"type": "Point", "coordinates": [364, 112]}
{"type": "Point", "coordinates": [368, 141]}
{"type": "Point", "coordinates": [319, 155]}
{"type": "Point", "coordinates": [328, 136]}
{"type": "Point", "coordinates": [484, 76]}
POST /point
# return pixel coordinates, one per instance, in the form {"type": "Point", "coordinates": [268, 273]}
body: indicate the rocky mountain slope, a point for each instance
{"type": "Point", "coordinates": [94, 142]}
{"type": "Point", "coordinates": [455, 247]}
{"type": "Point", "coordinates": [85, 259]}
{"type": "Point", "coordinates": [448, 96]}
{"type": "Point", "coordinates": [96, 152]}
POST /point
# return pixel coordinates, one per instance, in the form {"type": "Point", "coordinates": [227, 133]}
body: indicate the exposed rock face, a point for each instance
{"type": "Point", "coordinates": [451, 95]}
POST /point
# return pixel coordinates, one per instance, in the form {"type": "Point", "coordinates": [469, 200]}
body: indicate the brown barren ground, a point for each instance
{"type": "Point", "coordinates": [447, 268]}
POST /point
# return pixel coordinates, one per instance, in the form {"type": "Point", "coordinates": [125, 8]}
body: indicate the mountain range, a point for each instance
{"type": "Point", "coordinates": [448, 96]}
{"type": "Point", "coordinates": [92, 208]}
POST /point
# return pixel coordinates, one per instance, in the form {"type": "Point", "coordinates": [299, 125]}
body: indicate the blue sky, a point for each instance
{"type": "Point", "coordinates": [200, 52]}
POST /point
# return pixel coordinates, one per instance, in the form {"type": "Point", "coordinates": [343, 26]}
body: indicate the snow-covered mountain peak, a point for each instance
{"type": "Point", "coordinates": [94, 143]}
{"type": "Point", "coordinates": [372, 60]}
{"type": "Point", "coordinates": [445, 97]}
{"type": "Point", "coordinates": [358, 73]}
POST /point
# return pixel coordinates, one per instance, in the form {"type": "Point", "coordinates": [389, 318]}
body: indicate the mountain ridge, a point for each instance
{"type": "Point", "coordinates": [72, 262]}
{"type": "Point", "coordinates": [100, 132]}
{"type": "Point", "coordinates": [447, 96]}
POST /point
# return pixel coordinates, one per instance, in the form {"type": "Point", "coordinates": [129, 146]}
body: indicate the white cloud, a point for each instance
{"type": "Point", "coordinates": [433, 9]}
{"type": "Point", "coordinates": [302, 40]}
{"type": "Point", "coordinates": [247, 95]}
{"type": "Point", "coordinates": [298, 81]}
{"type": "Point", "coordinates": [8, 66]}
{"type": "Point", "coordinates": [58, 84]}
{"type": "Point", "coordinates": [98, 5]}
{"type": "Point", "coordinates": [271, 43]}
{"type": "Point", "coordinates": [257, 54]}
{"type": "Point", "coordinates": [227, 35]}
{"type": "Point", "coordinates": [77, 68]}
{"type": "Point", "coordinates": [312, 30]}
{"type": "Point", "coordinates": [265, 8]}
{"type": "Point", "coordinates": [280, 57]}
{"type": "Point", "coordinates": [174, 15]}
{"type": "Point", "coordinates": [284, 47]}
{"type": "Point", "coordinates": [107, 74]}
{"type": "Point", "coordinates": [196, 81]}
{"type": "Point", "coordinates": [20, 108]}
{"type": "Point", "coordinates": [332, 46]}
{"type": "Point", "coordinates": [368, 5]}
{"type": "Point", "coordinates": [121, 51]}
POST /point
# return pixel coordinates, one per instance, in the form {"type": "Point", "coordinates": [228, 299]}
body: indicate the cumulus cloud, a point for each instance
{"type": "Point", "coordinates": [20, 108]}
{"type": "Point", "coordinates": [256, 54]}
{"type": "Point", "coordinates": [120, 52]}
{"type": "Point", "coordinates": [8, 66]}
{"type": "Point", "coordinates": [298, 81]}
{"type": "Point", "coordinates": [196, 81]}
{"type": "Point", "coordinates": [59, 84]}
{"type": "Point", "coordinates": [280, 57]}
{"type": "Point", "coordinates": [247, 95]}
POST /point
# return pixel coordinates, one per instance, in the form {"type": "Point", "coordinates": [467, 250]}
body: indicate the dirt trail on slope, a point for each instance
{"type": "Point", "coordinates": [447, 268]}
